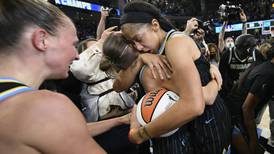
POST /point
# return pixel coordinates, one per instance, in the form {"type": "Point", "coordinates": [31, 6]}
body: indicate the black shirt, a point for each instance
{"type": "Point", "coordinates": [231, 66]}
{"type": "Point", "coordinates": [259, 82]}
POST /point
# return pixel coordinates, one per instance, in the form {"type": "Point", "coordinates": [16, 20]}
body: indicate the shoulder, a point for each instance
{"type": "Point", "coordinates": [50, 116]}
{"type": "Point", "coordinates": [46, 106]}
{"type": "Point", "coordinates": [180, 38]}
{"type": "Point", "coordinates": [44, 100]}
{"type": "Point", "coordinates": [180, 41]}
{"type": "Point", "coordinates": [181, 45]}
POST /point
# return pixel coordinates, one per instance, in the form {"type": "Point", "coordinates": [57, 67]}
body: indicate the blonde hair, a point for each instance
{"type": "Point", "coordinates": [265, 48]}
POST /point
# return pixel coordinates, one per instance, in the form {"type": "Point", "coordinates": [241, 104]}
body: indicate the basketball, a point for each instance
{"type": "Point", "coordinates": [154, 104]}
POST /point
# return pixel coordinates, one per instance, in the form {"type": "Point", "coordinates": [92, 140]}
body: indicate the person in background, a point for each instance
{"type": "Point", "coordinates": [234, 62]}
{"type": "Point", "coordinates": [264, 49]}
{"type": "Point", "coordinates": [195, 30]}
{"type": "Point", "coordinates": [214, 54]}
{"type": "Point", "coordinates": [42, 47]}
{"type": "Point", "coordinates": [246, 100]}
{"type": "Point", "coordinates": [228, 43]}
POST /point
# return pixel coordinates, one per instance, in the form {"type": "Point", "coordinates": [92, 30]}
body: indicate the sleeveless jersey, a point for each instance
{"type": "Point", "coordinates": [10, 87]}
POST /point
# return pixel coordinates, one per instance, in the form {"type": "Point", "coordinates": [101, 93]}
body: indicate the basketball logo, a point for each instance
{"type": "Point", "coordinates": [154, 104]}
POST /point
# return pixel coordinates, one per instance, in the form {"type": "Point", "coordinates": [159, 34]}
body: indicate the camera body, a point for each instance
{"type": "Point", "coordinates": [207, 26]}
{"type": "Point", "coordinates": [228, 11]}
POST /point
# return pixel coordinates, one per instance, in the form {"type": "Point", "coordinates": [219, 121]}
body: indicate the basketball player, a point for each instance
{"type": "Point", "coordinates": [143, 25]}
{"type": "Point", "coordinates": [130, 63]}
{"type": "Point", "coordinates": [41, 47]}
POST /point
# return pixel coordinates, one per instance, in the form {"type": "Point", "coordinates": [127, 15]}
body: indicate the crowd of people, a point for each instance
{"type": "Point", "coordinates": [61, 96]}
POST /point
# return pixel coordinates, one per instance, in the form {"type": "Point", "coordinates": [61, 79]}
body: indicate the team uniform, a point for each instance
{"type": "Point", "coordinates": [10, 87]}
{"type": "Point", "coordinates": [260, 83]}
{"type": "Point", "coordinates": [208, 133]}
{"type": "Point", "coordinates": [231, 65]}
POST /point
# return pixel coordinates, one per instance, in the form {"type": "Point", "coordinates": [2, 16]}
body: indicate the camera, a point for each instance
{"type": "Point", "coordinates": [228, 11]}
{"type": "Point", "coordinates": [207, 26]}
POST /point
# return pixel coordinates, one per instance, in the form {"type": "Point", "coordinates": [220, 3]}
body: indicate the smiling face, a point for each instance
{"type": "Point", "coordinates": [144, 37]}
{"type": "Point", "coordinates": [62, 50]}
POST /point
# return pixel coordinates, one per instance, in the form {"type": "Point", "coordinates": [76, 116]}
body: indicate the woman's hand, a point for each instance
{"type": "Point", "coordinates": [216, 75]}
{"type": "Point", "coordinates": [243, 16]}
{"type": "Point", "coordinates": [158, 64]}
{"type": "Point", "coordinates": [133, 135]}
{"type": "Point", "coordinates": [191, 25]}
{"type": "Point", "coordinates": [107, 32]}
{"type": "Point", "coordinates": [125, 119]}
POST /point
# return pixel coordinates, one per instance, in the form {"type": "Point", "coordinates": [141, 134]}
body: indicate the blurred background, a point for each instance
{"type": "Point", "coordinates": [260, 14]}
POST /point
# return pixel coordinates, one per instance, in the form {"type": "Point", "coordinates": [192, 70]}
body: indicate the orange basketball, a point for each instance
{"type": "Point", "coordinates": [154, 104]}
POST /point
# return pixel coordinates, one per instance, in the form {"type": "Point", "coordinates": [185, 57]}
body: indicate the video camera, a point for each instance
{"type": "Point", "coordinates": [207, 26]}
{"type": "Point", "coordinates": [228, 11]}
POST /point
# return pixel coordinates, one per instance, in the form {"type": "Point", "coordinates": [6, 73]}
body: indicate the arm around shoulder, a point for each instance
{"type": "Point", "coordinates": [186, 82]}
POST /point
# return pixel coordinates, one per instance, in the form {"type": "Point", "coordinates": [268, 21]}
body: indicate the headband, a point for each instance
{"type": "Point", "coordinates": [136, 17]}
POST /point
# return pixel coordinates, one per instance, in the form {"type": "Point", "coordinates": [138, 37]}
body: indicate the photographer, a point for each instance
{"type": "Point", "coordinates": [236, 58]}
{"type": "Point", "coordinates": [228, 43]}
{"type": "Point", "coordinates": [235, 61]}
{"type": "Point", "coordinates": [194, 29]}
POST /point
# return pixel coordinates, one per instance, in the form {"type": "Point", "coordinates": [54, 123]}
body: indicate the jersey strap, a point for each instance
{"type": "Point", "coordinates": [162, 48]}
{"type": "Point", "coordinates": [10, 87]}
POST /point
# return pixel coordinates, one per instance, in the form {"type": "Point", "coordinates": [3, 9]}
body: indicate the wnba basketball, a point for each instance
{"type": "Point", "coordinates": [154, 104]}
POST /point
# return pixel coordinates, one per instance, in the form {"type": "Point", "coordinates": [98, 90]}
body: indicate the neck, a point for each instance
{"type": "Point", "coordinates": [25, 72]}
{"type": "Point", "coordinates": [162, 37]}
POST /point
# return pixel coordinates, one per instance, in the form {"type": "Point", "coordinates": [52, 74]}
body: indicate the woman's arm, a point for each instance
{"type": "Point", "coordinates": [102, 23]}
{"type": "Point", "coordinates": [186, 82]}
{"type": "Point", "coordinates": [210, 91]}
{"type": "Point", "coordinates": [97, 128]}
{"type": "Point", "coordinates": [158, 65]}
{"type": "Point", "coordinates": [221, 42]}
{"type": "Point", "coordinates": [243, 19]}
{"type": "Point", "coordinates": [249, 121]}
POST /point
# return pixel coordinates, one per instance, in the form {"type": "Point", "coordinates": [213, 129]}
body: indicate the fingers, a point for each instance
{"type": "Point", "coordinates": [118, 32]}
{"type": "Point", "coordinates": [215, 74]}
{"type": "Point", "coordinates": [107, 32]}
{"type": "Point", "coordinates": [158, 65]}
{"type": "Point", "coordinates": [166, 63]}
{"type": "Point", "coordinates": [133, 119]}
{"type": "Point", "coordinates": [192, 24]}
{"type": "Point", "coordinates": [192, 19]}
{"type": "Point", "coordinates": [166, 70]}
{"type": "Point", "coordinates": [111, 28]}
{"type": "Point", "coordinates": [160, 69]}
{"type": "Point", "coordinates": [151, 67]}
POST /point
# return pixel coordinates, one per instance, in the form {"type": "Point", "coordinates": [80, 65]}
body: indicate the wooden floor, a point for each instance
{"type": "Point", "coordinates": [265, 123]}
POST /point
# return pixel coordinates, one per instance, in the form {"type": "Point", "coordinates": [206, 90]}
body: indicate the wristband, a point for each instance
{"type": "Point", "coordinates": [147, 134]}
{"type": "Point", "coordinates": [134, 136]}
{"type": "Point", "coordinates": [143, 134]}
{"type": "Point", "coordinates": [138, 135]}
